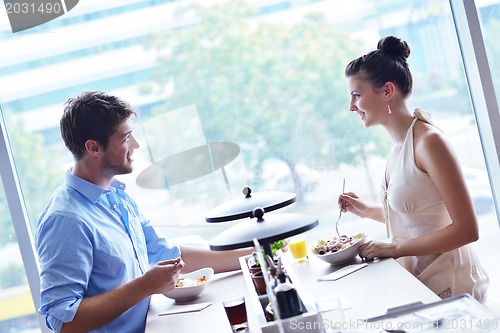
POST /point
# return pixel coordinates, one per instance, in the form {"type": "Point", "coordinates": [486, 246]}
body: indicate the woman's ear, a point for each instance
{"type": "Point", "coordinates": [389, 91]}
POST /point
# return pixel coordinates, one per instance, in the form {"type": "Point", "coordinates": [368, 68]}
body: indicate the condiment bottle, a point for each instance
{"type": "Point", "coordinates": [289, 303]}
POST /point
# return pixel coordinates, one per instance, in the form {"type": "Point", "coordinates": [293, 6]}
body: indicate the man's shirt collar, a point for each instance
{"type": "Point", "coordinates": [90, 190]}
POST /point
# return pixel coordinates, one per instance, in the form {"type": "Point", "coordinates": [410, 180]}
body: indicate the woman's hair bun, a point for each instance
{"type": "Point", "coordinates": [394, 47]}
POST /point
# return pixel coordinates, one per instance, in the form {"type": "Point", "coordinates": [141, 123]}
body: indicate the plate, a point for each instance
{"type": "Point", "coordinates": [190, 292]}
{"type": "Point", "coordinates": [342, 256]}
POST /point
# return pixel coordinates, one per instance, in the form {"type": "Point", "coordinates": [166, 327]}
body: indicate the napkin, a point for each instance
{"type": "Point", "coordinates": [342, 272]}
{"type": "Point", "coordinates": [175, 309]}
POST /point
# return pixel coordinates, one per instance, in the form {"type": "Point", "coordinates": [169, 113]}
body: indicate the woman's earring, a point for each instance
{"type": "Point", "coordinates": [389, 108]}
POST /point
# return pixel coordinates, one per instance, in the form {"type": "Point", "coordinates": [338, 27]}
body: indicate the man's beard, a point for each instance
{"type": "Point", "coordinates": [113, 169]}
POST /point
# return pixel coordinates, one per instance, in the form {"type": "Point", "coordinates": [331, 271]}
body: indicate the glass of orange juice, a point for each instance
{"type": "Point", "coordinates": [298, 247]}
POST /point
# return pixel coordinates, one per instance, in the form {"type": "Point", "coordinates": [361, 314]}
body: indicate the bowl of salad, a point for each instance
{"type": "Point", "coordinates": [191, 285]}
{"type": "Point", "coordinates": [339, 250]}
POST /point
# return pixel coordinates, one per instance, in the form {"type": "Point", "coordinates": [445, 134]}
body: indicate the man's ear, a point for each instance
{"type": "Point", "coordinates": [389, 91]}
{"type": "Point", "coordinates": [92, 147]}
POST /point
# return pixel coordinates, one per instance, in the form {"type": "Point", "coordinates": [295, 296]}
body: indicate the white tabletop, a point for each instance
{"type": "Point", "coordinates": [211, 319]}
{"type": "Point", "coordinates": [368, 292]}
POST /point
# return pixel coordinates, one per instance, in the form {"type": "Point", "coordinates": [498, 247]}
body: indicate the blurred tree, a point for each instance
{"type": "Point", "coordinates": [462, 96]}
{"type": "Point", "coordinates": [493, 48]}
{"type": "Point", "coordinates": [276, 89]}
{"type": "Point", "coordinates": [12, 275]}
{"type": "Point", "coordinates": [39, 171]}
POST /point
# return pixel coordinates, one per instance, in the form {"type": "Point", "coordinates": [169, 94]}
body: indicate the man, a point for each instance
{"type": "Point", "coordinates": [100, 259]}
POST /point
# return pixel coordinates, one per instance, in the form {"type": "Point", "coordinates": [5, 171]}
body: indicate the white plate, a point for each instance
{"type": "Point", "coordinates": [186, 293]}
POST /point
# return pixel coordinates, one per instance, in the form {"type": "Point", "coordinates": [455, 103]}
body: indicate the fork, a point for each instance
{"type": "Point", "coordinates": [340, 214]}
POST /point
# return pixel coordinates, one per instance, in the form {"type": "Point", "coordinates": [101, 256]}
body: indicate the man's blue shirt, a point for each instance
{"type": "Point", "coordinates": [90, 241]}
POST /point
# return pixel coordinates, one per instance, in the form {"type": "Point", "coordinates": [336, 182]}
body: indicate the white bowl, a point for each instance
{"type": "Point", "coordinates": [342, 256]}
{"type": "Point", "coordinates": [190, 292]}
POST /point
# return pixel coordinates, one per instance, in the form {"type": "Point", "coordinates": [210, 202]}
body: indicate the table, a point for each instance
{"type": "Point", "coordinates": [221, 286]}
{"type": "Point", "coordinates": [369, 292]}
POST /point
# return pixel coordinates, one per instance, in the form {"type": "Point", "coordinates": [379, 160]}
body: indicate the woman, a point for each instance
{"type": "Point", "coordinates": [426, 206]}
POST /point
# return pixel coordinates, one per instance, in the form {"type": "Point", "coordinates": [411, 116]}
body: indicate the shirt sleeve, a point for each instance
{"type": "Point", "coordinates": [64, 248]}
{"type": "Point", "coordinates": [159, 248]}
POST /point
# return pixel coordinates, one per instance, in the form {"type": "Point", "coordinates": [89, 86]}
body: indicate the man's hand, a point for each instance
{"type": "Point", "coordinates": [164, 275]}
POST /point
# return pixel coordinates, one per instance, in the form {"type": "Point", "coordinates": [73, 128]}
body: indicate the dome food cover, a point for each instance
{"type": "Point", "coordinates": [266, 230]}
{"type": "Point", "coordinates": [243, 207]}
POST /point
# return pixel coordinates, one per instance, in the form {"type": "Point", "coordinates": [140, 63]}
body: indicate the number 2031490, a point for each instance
{"type": "Point", "coordinates": [467, 324]}
{"type": "Point", "coordinates": [32, 8]}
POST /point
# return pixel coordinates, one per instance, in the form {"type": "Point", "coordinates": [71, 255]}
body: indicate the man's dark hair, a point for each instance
{"type": "Point", "coordinates": [93, 115]}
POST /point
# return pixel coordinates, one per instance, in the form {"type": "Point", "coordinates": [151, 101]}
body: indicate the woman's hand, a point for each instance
{"type": "Point", "coordinates": [350, 202]}
{"type": "Point", "coordinates": [371, 250]}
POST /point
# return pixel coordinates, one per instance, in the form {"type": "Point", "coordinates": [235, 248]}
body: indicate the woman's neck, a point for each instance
{"type": "Point", "coordinates": [397, 125]}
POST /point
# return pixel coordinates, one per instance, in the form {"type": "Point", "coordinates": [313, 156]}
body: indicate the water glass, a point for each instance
{"type": "Point", "coordinates": [331, 313]}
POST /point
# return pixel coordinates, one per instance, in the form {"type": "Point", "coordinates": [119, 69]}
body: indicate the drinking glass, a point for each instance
{"type": "Point", "coordinates": [298, 247]}
{"type": "Point", "coordinates": [331, 313]}
{"type": "Point", "coordinates": [236, 312]}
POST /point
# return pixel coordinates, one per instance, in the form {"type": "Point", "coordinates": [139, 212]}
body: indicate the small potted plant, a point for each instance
{"type": "Point", "coordinates": [254, 264]}
{"type": "Point", "coordinates": [255, 267]}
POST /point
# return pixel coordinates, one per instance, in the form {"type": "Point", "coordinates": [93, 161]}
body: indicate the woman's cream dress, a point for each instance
{"type": "Point", "coordinates": [413, 207]}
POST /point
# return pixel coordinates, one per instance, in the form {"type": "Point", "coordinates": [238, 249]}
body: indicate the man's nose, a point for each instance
{"type": "Point", "coordinates": [135, 143]}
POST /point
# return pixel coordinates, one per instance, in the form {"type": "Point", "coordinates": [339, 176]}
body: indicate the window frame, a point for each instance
{"type": "Point", "coordinates": [480, 86]}
{"type": "Point", "coordinates": [19, 216]}
{"type": "Point", "coordinates": [485, 107]}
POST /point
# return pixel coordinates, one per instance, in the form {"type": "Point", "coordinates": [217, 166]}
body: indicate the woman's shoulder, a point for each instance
{"type": "Point", "coordinates": [427, 138]}
{"type": "Point", "coordinates": [430, 144]}
{"type": "Point", "coordinates": [425, 131]}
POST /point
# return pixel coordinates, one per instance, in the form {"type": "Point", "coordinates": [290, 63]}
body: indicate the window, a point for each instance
{"type": "Point", "coordinates": [488, 15]}
{"type": "Point", "coordinates": [17, 309]}
{"type": "Point", "coordinates": [268, 78]}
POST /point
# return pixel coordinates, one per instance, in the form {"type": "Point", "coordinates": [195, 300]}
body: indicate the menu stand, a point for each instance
{"type": "Point", "coordinates": [310, 319]}
{"type": "Point", "coordinates": [261, 230]}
